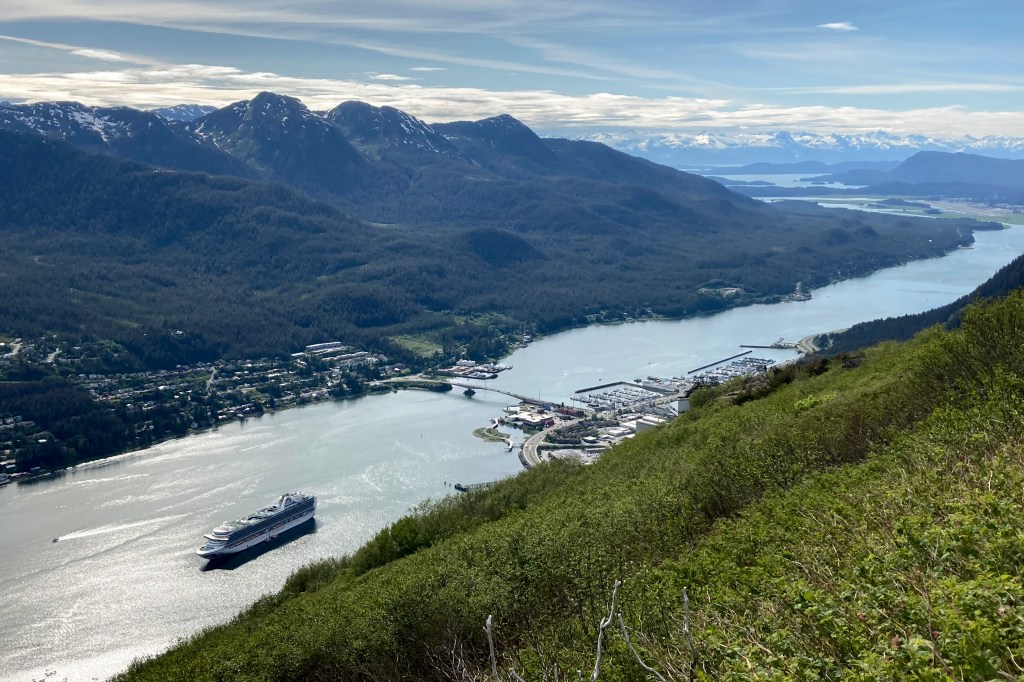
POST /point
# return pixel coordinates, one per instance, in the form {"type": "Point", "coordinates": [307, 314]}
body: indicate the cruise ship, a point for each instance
{"type": "Point", "coordinates": [230, 537]}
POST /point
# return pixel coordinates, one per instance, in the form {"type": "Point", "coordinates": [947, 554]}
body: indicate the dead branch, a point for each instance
{"type": "Point", "coordinates": [629, 643]}
{"type": "Point", "coordinates": [490, 644]}
{"type": "Point", "coordinates": [605, 622]}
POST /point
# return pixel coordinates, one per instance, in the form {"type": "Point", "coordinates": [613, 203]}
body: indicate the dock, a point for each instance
{"type": "Point", "coordinates": [467, 487]}
{"type": "Point", "coordinates": [731, 357]}
{"type": "Point", "coordinates": [600, 386]}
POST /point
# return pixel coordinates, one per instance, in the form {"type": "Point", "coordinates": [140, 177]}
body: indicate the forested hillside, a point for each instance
{"type": "Point", "coordinates": [854, 518]}
{"type": "Point", "coordinates": [98, 248]}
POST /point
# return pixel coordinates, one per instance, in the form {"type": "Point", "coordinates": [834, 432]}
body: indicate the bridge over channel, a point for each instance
{"type": "Point", "coordinates": [520, 398]}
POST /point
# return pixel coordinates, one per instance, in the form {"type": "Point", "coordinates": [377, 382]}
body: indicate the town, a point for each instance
{"type": "Point", "coordinates": [133, 410]}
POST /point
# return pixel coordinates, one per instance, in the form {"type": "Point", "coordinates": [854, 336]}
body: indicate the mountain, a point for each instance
{"type": "Point", "coordinates": [120, 131]}
{"type": "Point", "coordinates": [383, 165]}
{"type": "Point", "coordinates": [941, 167]}
{"type": "Point", "coordinates": [502, 144]}
{"type": "Point", "coordinates": [184, 112]}
{"type": "Point", "coordinates": [386, 132]}
{"type": "Point", "coordinates": [101, 248]}
{"type": "Point", "coordinates": [686, 150]}
{"type": "Point", "coordinates": [285, 141]}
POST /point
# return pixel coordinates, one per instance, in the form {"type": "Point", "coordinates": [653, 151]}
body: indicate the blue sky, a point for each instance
{"type": "Point", "coordinates": [938, 67]}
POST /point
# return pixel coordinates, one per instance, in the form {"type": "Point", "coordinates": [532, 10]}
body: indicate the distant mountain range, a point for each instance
{"type": "Point", "coordinates": [377, 163]}
{"type": "Point", "coordinates": [680, 150]}
{"type": "Point", "coordinates": [685, 150]}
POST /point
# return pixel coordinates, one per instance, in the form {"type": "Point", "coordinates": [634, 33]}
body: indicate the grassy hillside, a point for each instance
{"type": "Point", "coordinates": [858, 518]}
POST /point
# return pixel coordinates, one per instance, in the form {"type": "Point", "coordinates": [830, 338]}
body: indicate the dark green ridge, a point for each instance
{"type": "Point", "coordinates": [96, 248]}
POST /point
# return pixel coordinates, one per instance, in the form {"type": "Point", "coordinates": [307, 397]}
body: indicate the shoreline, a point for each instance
{"type": "Point", "coordinates": [388, 386]}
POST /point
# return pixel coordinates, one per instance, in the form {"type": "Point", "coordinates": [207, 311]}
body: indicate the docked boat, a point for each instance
{"type": "Point", "coordinates": [231, 537]}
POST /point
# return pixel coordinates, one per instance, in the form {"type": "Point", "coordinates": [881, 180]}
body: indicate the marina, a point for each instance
{"type": "Point", "coordinates": [736, 368]}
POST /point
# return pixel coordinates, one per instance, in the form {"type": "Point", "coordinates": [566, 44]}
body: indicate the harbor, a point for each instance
{"type": "Point", "coordinates": [615, 411]}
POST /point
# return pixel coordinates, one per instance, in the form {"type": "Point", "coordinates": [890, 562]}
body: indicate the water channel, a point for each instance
{"type": "Point", "coordinates": [123, 581]}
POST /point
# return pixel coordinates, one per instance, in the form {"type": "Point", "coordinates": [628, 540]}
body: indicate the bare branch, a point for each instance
{"type": "Point", "coordinates": [514, 674]}
{"type": "Point", "coordinates": [686, 624]}
{"type": "Point", "coordinates": [625, 635]}
{"type": "Point", "coordinates": [605, 622]}
{"type": "Point", "coordinates": [490, 644]}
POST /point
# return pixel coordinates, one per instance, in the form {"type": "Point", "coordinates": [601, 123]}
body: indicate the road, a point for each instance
{"type": "Point", "coordinates": [15, 347]}
{"type": "Point", "coordinates": [531, 448]}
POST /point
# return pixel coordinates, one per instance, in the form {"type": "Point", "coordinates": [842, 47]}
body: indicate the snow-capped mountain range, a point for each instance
{"type": "Point", "coordinates": [724, 148]}
{"type": "Point", "coordinates": [184, 112]}
{"type": "Point", "coordinates": [388, 129]}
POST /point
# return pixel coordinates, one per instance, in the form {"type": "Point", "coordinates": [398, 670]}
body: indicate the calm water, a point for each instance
{"type": "Point", "coordinates": [123, 580]}
{"type": "Point", "coordinates": [784, 179]}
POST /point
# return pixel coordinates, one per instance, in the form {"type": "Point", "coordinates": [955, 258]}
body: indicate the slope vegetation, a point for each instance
{"type": "Point", "coordinates": [856, 518]}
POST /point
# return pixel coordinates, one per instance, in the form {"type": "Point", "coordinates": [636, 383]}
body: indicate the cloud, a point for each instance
{"type": "Point", "coordinates": [428, 68]}
{"type": "Point", "coordinates": [546, 111]}
{"type": "Point", "coordinates": [88, 52]}
{"type": "Point", "coordinates": [103, 55]}
{"type": "Point", "coordinates": [388, 77]}
{"type": "Point", "coordinates": [839, 26]}
{"type": "Point", "coordinates": [902, 88]}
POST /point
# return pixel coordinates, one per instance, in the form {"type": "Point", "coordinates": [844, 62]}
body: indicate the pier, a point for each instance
{"type": "Point", "coordinates": [731, 357]}
{"type": "Point", "coordinates": [466, 487]}
{"type": "Point", "coordinates": [600, 386]}
{"type": "Point", "coordinates": [779, 344]}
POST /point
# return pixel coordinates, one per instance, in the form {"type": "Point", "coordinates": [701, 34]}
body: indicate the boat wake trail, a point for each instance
{"type": "Point", "coordinates": [114, 528]}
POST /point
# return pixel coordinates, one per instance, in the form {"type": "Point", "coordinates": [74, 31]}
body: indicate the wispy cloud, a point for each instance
{"type": "Point", "coordinates": [428, 69]}
{"type": "Point", "coordinates": [102, 55]}
{"type": "Point", "coordinates": [839, 26]}
{"type": "Point", "coordinates": [388, 77]}
{"type": "Point", "coordinates": [88, 52]}
{"type": "Point", "coordinates": [546, 111]}
{"type": "Point", "coordinates": [902, 88]}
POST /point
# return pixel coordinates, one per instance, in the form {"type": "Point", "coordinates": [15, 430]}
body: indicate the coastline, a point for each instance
{"type": "Point", "coordinates": [387, 386]}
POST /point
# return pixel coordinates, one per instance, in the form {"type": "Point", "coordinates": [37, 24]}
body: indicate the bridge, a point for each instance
{"type": "Point", "coordinates": [520, 398]}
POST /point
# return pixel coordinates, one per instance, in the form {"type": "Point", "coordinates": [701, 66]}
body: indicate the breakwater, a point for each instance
{"type": "Point", "coordinates": [731, 357]}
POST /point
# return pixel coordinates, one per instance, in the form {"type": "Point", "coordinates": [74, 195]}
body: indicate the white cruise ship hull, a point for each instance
{"type": "Point", "coordinates": [218, 548]}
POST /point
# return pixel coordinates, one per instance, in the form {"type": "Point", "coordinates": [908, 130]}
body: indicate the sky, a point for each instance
{"type": "Point", "coordinates": [934, 67]}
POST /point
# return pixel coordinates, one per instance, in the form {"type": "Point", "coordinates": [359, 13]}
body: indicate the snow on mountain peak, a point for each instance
{"type": "Point", "coordinates": [727, 147]}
